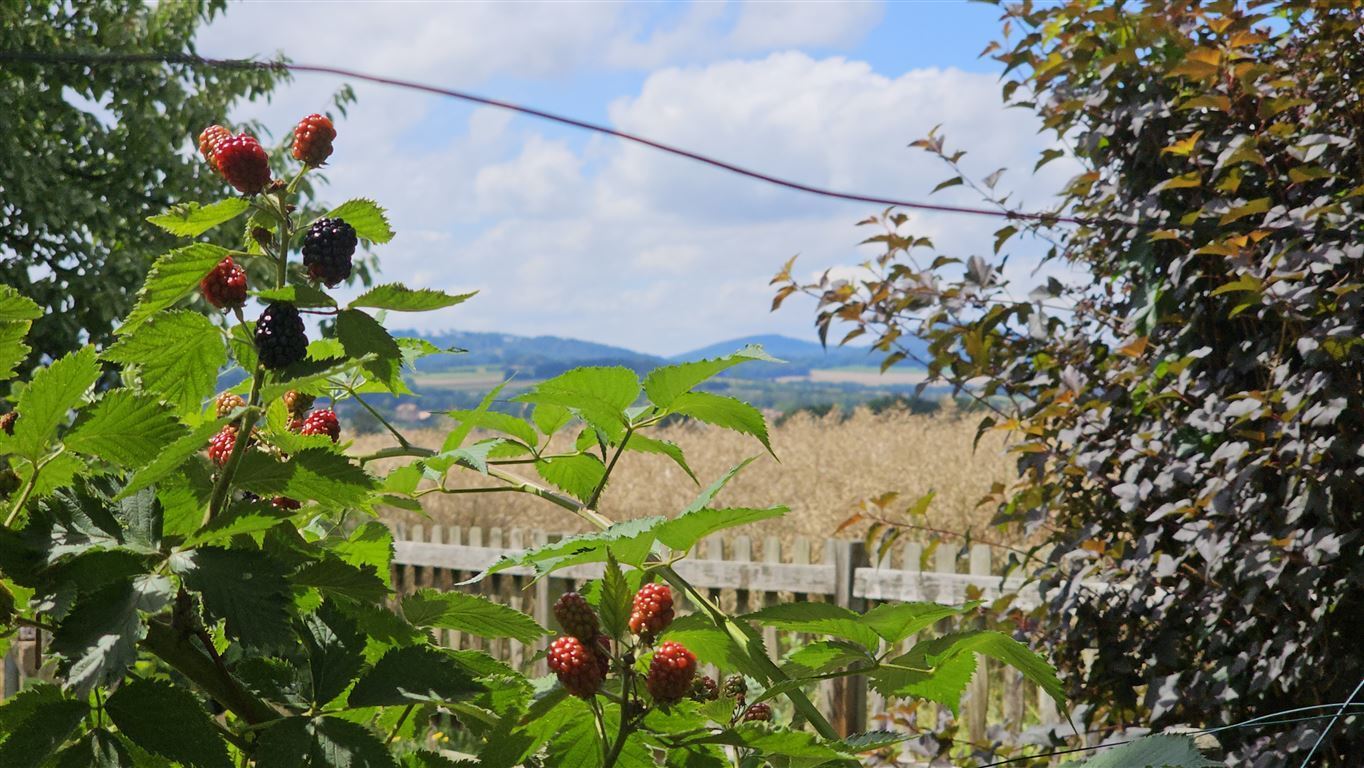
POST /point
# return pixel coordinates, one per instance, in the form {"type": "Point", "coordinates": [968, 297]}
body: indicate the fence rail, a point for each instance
{"type": "Point", "coordinates": [727, 569]}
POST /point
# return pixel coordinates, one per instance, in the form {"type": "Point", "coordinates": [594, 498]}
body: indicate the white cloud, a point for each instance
{"type": "Point", "coordinates": [613, 242]}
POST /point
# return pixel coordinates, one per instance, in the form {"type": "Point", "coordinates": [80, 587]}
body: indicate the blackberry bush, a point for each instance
{"type": "Point", "coordinates": [212, 603]}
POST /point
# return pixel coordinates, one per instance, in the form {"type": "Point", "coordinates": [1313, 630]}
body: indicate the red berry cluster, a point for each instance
{"type": "Point", "coordinates": [220, 445]}
{"type": "Point", "coordinates": [313, 140]}
{"type": "Point", "coordinates": [225, 285]}
{"type": "Point", "coordinates": [322, 422]}
{"type": "Point", "coordinates": [704, 688]}
{"type": "Point", "coordinates": [652, 611]}
{"type": "Point", "coordinates": [209, 139]}
{"type": "Point", "coordinates": [576, 616]}
{"type": "Point", "coordinates": [578, 667]}
{"type": "Point", "coordinates": [758, 713]}
{"type": "Point", "coordinates": [671, 673]}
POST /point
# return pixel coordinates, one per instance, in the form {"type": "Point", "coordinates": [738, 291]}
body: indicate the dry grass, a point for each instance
{"type": "Point", "coordinates": [827, 465]}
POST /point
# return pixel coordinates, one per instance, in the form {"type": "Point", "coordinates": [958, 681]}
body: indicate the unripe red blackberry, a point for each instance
{"type": "Point", "coordinates": [322, 423]}
{"type": "Point", "coordinates": [7, 421]}
{"type": "Point", "coordinates": [228, 402]}
{"type": "Point", "coordinates": [704, 689]}
{"type": "Point", "coordinates": [209, 139]}
{"type": "Point", "coordinates": [280, 338]}
{"type": "Point", "coordinates": [225, 285]}
{"type": "Point", "coordinates": [576, 616]}
{"type": "Point", "coordinates": [576, 666]}
{"type": "Point", "coordinates": [243, 162]}
{"type": "Point", "coordinates": [220, 445]}
{"type": "Point", "coordinates": [735, 687]}
{"type": "Point", "coordinates": [758, 713]}
{"type": "Point", "coordinates": [328, 249]}
{"type": "Point", "coordinates": [313, 139]}
{"type": "Point", "coordinates": [652, 610]}
{"type": "Point", "coordinates": [297, 402]}
{"type": "Point", "coordinates": [671, 672]}
{"type": "Point", "coordinates": [284, 502]}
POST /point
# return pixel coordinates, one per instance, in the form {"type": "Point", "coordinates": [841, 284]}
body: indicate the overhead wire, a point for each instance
{"type": "Point", "coordinates": [40, 57]}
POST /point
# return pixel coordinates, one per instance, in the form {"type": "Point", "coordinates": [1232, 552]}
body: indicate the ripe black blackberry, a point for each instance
{"type": "Point", "coordinates": [280, 338]}
{"type": "Point", "coordinates": [327, 250]}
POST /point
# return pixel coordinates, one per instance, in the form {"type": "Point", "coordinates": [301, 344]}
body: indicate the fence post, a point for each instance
{"type": "Point", "coordinates": [978, 712]}
{"type": "Point", "coordinates": [850, 693]}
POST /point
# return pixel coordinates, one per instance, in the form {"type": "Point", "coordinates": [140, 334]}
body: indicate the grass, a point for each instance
{"type": "Point", "coordinates": [827, 464]}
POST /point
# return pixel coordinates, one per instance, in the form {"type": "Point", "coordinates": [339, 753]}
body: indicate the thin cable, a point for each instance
{"type": "Point", "coordinates": [1332, 724]}
{"type": "Point", "coordinates": [178, 58]}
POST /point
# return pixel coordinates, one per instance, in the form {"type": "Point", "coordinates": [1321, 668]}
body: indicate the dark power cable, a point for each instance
{"type": "Point", "coordinates": [178, 58]}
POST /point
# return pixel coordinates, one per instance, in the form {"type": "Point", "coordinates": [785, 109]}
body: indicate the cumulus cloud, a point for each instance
{"type": "Point", "coordinates": [612, 242]}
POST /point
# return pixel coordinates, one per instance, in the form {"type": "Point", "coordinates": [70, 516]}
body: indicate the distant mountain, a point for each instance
{"type": "Point", "coordinates": [536, 356]}
{"type": "Point", "coordinates": [808, 354]}
{"type": "Point", "coordinates": [543, 356]}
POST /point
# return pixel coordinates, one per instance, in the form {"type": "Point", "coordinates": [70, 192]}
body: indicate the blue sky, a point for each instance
{"type": "Point", "coordinates": [574, 234]}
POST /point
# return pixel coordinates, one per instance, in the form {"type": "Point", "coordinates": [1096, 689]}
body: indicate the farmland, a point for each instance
{"type": "Point", "coordinates": [823, 466]}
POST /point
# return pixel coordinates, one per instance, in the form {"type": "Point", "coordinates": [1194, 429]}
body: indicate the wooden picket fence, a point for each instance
{"type": "Point", "coordinates": [744, 577]}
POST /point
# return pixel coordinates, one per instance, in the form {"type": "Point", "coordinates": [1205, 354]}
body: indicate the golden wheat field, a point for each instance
{"type": "Point", "coordinates": [826, 465]}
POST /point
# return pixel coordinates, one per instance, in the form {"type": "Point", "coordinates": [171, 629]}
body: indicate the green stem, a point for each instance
{"type": "Point", "coordinates": [399, 725]}
{"type": "Point", "coordinates": [28, 489]}
{"type": "Point", "coordinates": [601, 731]}
{"type": "Point", "coordinates": [175, 649]}
{"type": "Point", "coordinates": [224, 484]}
{"type": "Point", "coordinates": [601, 486]}
{"type": "Point", "coordinates": [401, 440]}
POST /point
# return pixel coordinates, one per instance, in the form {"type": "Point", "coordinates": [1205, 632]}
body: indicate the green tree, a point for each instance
{"type": "Point", "coordinates": [1189, 420]}
{"type": "Point", "coordinates": [88, 151]}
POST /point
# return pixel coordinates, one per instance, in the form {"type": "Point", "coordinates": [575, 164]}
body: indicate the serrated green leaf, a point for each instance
{"type": "Point", "coordinates": [413, 674]}
{"type": "Point", "coordinates": [316, 474]}
{"type": "Point", "coordinates": [501, 422]}
{"type": "Point", "coordinates": [550, 418]}
{"type": "Point", "coordinates": [13, 350]}
{"type": "Point", "coordinates": [682, 532]}
{"type": "Point", "coordinates": [45, 402]}
{"type": "Point", "coordinates": [629, 541]}
{"type": "Point", "coordinates": [310, 375]}
{"type": "Point", "coordinates": [98, 640]}
{"type": "Point", "coordinates": [370, 545]}
{"type": "Point", "coordinates": [460, 433]}
{"type": "Point", "coordinates": [666, 384]}
{"type": "Point", "coordinates": [173, 276]}
{"type": "Point", "coordinates": [642, 444]}
{"type": "Point", "coordinates": [242, 518]}
{"type": "Point", "coordinates": [614, 606]}
{"type": "Point", "coordinates": [817, 618]}
{"type": "Point", "coordinates": [578, 474]}
{"type": "Point", "coordinates": [323, 742]}
{"type": "Point", "coordinates": [177, 355]}
{"type": "Point", "coordinates": [368, 219]}
{"type": "Point", "coordinates": [469, 613]}
{"type": "Point", "coordinates": [825, 656]}
{"type": "Point", "coordinates": [335, 647]}
{"type": "Point", "coordinates": [125, 428]}
{"type": "Point", "coordinates": [400, 298]}
{"type": "Point", "coordinates": [870, 741]}
{"type": "Point", "coordinates": [193, 219]}
{"type": "Point", "coordinates": [246, 588]}
{"type": "Point", "coordinates": [97, 749]}
{"type": "Point", "coordinates": [299, 295]}
{"type": "Point", "coordinates": [723, 411]}
{"type": "Point", "coordinates": [999, 647]}
{"type": "Point", "coordinates": [168, 721]}
{"type": "Point", "coordinates": [708, 495]}
{"type": "Point", "coordinates": [600, 395]}
{"type": "Point", "coordinates": [37, 724]}
{"type": "Point", "coordinates": [172, 456]}
{"type": "Point", "coordinates": [897, 621]}
{"type": "Point", "coordinates": [334, 576]}
{"type": "Point", "coordinates": [364, 337]}
{"type": "Point", "coordinates": [15, 306]}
